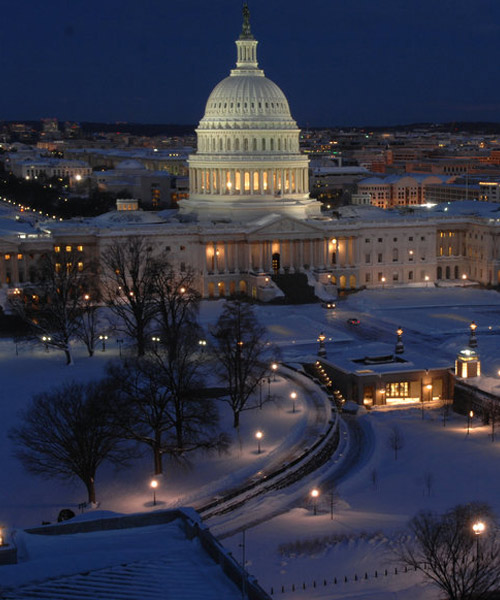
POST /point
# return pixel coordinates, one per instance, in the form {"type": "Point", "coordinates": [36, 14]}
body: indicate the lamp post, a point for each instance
{"type": "Point", "coordinates": [383, 282]}
{"type": "Point", "coordinates": [202, 344]}
{"type": "Point", "coordinates": [399, 342]}
{"type": "Point", "coordinates": [472, 337]}
{"type": "Point", "coordinates": [293, 396]}
{"type": "Point", "coordinates": [46, 339]}
{"type": "Point", "coordinates": [321, 340]}
{"type": "Point", "coordinates": [269, 388]}
{"type": "Point", "coordinates": [258, 435]}
{"type": "Point", "coordinates": [314, 496]}
{"type": "Point", "coordinates": [469, 419]}
{"type": "Point", "coordinates": [274, 367]}
{"type": "Point", "coordinates": [154, 485]}
{"type": "Point", "coordinates": [156, 340]}
{"type": "Point", "coordinates": [426, 280]}
{"type": "Point", "coordinates": [478, 528]}
{"type": "Point", "coordinates": [119, 342]}
{"type": "Point", "coordinates": [103, 339]}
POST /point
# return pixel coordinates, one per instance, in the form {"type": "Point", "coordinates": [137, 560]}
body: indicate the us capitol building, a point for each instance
{"type": "Point", "coordinates": [249, 220]}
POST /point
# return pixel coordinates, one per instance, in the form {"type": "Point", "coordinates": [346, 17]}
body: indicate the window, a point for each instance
{"type": "Point", "coordinates": [367, 240]}
{"type": "Point", "coordinates": [422, 238]}
{"type": "Point", "coordinates": [394, 239]}
{"type": "Point", "coordinates": [57, 248]}
{"type": "Point", "coordinates": [20, 257]}
{"type": "Point", "coordinates": [379, 240]}
{"type": "Point", "coordinates": [367, 277]}
{"type": "Point", "coordinates": [80, 266]}
{"type": "Point", "coordinates": [379, 276]}
{"type": "Point", "coordinates": [182, 247]}
{"type": "Point", "coordinates": [410, 275]}
{"type": "Point", "coordinates": [7, 257]}
{"type": "Point", "coordinates": [68, 248]}
{"type": "Point", "coordinates": [167, 248]}
{"type": "Point", "coordinates": [367, 258]}
{"type": "Point", "coordinates": [379, 258]}
{"type": "Point", "coordinates": [79, 248]}
{"type": "Point", "coordinates": [183, 267]}
{"type": "Point", "coordinates": [395, 277]}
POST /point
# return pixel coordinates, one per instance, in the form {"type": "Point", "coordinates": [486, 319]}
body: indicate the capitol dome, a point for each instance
{"type": "Point", "coordinates": [248, 162]}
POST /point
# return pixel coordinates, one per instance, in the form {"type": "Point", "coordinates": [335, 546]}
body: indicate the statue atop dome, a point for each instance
{"type": "Point", "coordinates": [246, 34]}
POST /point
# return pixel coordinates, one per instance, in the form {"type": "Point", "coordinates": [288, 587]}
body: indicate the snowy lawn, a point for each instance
{"type": "Point", "coordinates": [371, 505]}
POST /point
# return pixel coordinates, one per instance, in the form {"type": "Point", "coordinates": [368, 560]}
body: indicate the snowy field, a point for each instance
{"type": "Point", "coordinates": [370, 506]}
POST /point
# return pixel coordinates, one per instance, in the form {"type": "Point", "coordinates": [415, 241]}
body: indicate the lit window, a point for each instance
{"type": "Point", "coordinates": [57, 248]}
{"type": "Point", "coordinates": [19, 257]}
{"type": "Point", "coordinates": [58, 267]}
{"type": "Point", "coordinates": [68, 248]}
{"type": "Point", "coordinates": [79, 248]}
{"type": "Point", "coordinates": [80, 266]}
{"type": "Point", "coordinates": [7, 257]}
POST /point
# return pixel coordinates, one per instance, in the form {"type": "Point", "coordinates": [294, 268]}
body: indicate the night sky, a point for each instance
{"type": "Point", "coordinates": [340, 62]}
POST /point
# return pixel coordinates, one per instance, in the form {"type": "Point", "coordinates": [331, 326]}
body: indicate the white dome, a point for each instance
{"type": "Point", "coordinates": [245, 97]}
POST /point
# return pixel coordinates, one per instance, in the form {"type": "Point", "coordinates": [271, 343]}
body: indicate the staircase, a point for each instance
{"type": "Point", "coordinates": [295, 288]}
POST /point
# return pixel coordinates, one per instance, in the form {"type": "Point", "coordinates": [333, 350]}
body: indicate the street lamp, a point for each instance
{"type": "Point", "coordinates": [478, 528]}
{"type": "Point", "coordinates": [154, 485]}
{"type": "Point", "coordinates": [469, 418]}
{"type": "Point", "coordinates": [399, 342]}
{"type": "Point", "coordinates": [119, 342]}
{"type": "Point", "coordinates": [321, 340]}
{"type": "Point", "coordinates": [258, 435]}
{"type": "Point", "coordinates": [426, 280]}
{"type": "Point", "coordinates": [314, 496]}
{"type": "Point", "coordinates": [383, 282]}
{"type": "Point", "coordinates": [293, 396]}
{"type": "Point", "coordinates": [472, 337]}
{"type": "Point", "coordinates": [46, 339]}
{"type": "Point", "coordinates": [202, 344]}
{"type": "Point", "coordinates": [156, 340]}
{"type": "Point", "coordinates": [274, 367]}
{"type": "Point", "coordinates": [103, 339]}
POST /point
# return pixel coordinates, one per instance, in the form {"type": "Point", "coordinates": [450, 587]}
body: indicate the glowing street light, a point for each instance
{"type": "Point", "coordinates": [383, 282]}
{"type": "Point", "coordinates": [472, 337]}
{"type": "Point", "coordinates": [321, 340]}
{"type": "Point", "coordinates": [259, 435]}
{"type": "Point", "coordinates": [315, 496]}
{"type": "Point", "coordinates": [46, 340]}
{"type": "Point", "coordinates": [274, 367]}
{"type": "Point", "coordinates": [469, 419]}
{"type": "Point", "coordinates": [154, 485]}
{"type": "Point", "coordinates": [399, 342]}
{"type": "Point", "coordinates": [478, 528]}
{"type": "Point", "coordinates": [293, 396]}
{"type": "Point", "coordinates": [103, 339]}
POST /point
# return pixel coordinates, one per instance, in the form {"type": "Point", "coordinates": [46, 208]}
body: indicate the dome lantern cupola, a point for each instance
{"type": "Point", "coordinates": [246, 46]}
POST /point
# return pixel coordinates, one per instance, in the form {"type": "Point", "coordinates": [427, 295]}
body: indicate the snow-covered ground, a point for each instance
{"type": "Point", "coordinates": [299, 547]}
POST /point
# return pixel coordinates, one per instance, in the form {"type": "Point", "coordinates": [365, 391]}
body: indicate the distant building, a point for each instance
{"type": "Point", "coordinates": [398, 190]}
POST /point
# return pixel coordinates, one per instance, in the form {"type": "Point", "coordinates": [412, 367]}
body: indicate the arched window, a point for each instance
{"type": "Point", "coordinates": [245, 144]}
{"type": "Point", "coordinates": [237, 144]}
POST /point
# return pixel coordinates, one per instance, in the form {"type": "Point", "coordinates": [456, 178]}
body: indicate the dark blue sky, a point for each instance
{"type": "Point", "coordinates": [340, 62]}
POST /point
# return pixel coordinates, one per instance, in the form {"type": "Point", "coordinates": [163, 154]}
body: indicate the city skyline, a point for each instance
{"type": "Point", "coordinates": [339, 64]}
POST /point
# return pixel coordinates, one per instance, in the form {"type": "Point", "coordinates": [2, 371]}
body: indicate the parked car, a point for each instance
{"type": "Point", "coordinates": [329, 305]}
{"type": "Point", "coordinates": [353, 321]}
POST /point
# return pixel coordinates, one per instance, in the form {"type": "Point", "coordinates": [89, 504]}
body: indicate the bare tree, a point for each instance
{"type": "Point", "coordinates": [68, 433]}
{"type": "Point", "coordinates": [164, 410]}
{"type": "Point", "coordinates": [395, 441]}
{"type": "Point", "coordinates": [52, 306]}
{"type": "Point", "coordinates": [240, 346]}
{"type": "Point", "coordinates": [491, 414]}
{"type": "Point", "coordinates": [128, 286]}
{"type": "Point", "coordinates": [446, 550]}
{"type": "Point", "coordinates": [89, 322]}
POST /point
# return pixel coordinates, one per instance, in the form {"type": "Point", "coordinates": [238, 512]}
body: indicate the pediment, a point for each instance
{"type": "Point", "coordinates": [278, 225]}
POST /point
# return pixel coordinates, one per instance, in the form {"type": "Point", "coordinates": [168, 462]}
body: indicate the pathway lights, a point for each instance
{"type": "Point", "coordinates": [315, 496]}
{"type": "Point", "coordinates": [293, 396]}
{"type": "Point", "coordinates": [46, 340]}
{"type": "Point", "coordinates": [259, 435]}
{"type": "Point", "coordinates": [154, 484]}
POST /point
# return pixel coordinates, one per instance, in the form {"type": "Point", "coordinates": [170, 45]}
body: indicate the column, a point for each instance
{"type": "Point", "coordinates": [301, 255]}
{"type": "Point", "coordinates": [249, 256]}
{"type": "Point", "coordinates": [280, 250]}
{"type": "Point", "coordinates": [261, 244]}
{"type": "Point", "coordinates": [226, 257]}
